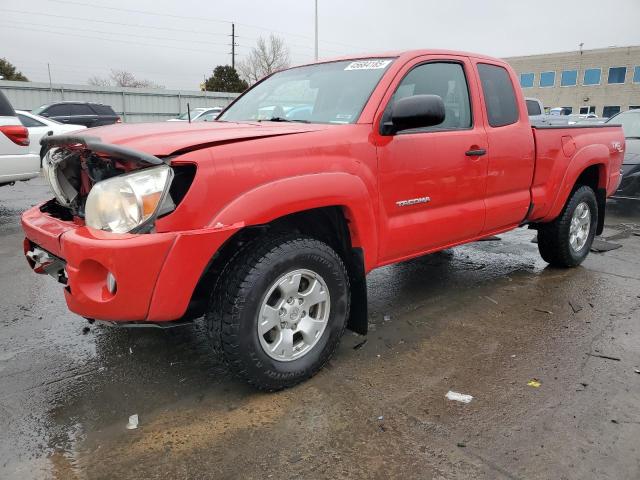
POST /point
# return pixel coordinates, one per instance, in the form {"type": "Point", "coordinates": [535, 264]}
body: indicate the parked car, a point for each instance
{"type": "Point", "coordinates": [209, 116]}
{"type": "Point", "coordinates": [630, 184]}
{"type": "Point", "coordinates": [537, 115]}
{"type": "Point", "coordinates": [88, 114]}
{"type": "Point", "coordinates": [268, 229]}
{"type": "Point", "coordinates": [17, 163]}
{"type": "Point", "coordinates": [196, 113]}
{"type": "Point", "coordinates": [560, 111]}
{"type": "Point", "coordinates": [40, 126]}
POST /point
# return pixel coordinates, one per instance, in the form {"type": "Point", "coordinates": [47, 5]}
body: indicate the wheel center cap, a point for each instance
{"type": "Point", "coordinates": [294, 313]}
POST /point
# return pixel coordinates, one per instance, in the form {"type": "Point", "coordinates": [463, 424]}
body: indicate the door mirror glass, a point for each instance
{"type": "Point", "coordinates": [417, 111]}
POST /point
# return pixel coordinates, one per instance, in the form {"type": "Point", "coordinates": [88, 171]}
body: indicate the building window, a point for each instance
{"type": "Point", "coordinates": [617, 74]}
{"type": "Point", "coordinates": [587, 110]}
{"type": "Point", "coordinates": [592, 76]}
{"type": "Point", "coordinates": [526, 80]}
{"type": "Point", "coordinates": [610, 111]}
{"type": "Point", "coordinates": [568, 78]}
{"type": "Point", "coordinates": [547, 79]}
{"type": "Point", "coordinates": [634, 107]}
{"type": "Point", "coordinates": [636, 75]}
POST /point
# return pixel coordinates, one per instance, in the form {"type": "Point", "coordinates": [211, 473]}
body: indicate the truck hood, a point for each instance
{"type": "Point", "coordinates": [168, 138]}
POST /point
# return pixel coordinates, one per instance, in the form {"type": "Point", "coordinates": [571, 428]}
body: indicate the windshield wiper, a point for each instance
{"type": "Point", "coordinates": [283, 119]}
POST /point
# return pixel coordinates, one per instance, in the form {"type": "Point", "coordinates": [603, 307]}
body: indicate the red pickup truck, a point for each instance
{"type": "Point", "coordinates": [268, 220]}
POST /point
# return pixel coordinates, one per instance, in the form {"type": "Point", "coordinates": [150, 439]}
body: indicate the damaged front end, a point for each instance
{"type": "Point", "coordinates": [104, 186]}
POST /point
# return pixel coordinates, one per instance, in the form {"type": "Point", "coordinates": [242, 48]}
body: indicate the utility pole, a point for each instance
{"type": "Point", "coordinates": [316, 49]}
{"type": "Point", "coordinates": [233, 45]}
{"type": "Point", "coordinates": [50, 85]}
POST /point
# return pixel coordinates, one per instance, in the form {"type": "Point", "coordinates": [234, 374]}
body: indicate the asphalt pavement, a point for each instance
{"type": "Point", "coordinates": [551, 358]}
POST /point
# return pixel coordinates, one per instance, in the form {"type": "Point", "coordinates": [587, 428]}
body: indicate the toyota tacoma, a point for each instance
{"type": "Point", "coordinates": [267, 220]}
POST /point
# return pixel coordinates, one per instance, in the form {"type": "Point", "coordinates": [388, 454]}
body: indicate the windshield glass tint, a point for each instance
{"type": "Point", "coordinates": [334, 92]}
{"type": "Point", "coordinates": [630, 122]}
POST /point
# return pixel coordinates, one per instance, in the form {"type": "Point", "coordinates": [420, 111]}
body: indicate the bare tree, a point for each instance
{"type": "Point", "coordinates": [266, 57]}
{"type": "Point", "coordinates": [122, 78]}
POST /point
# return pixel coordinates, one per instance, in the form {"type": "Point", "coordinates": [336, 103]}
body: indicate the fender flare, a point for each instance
{"type": "Point", "coordinates": [583, 159]}
{"type": "Point", "coordinates": [279, 198]}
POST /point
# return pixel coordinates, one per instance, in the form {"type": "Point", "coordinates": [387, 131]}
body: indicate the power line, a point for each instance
{"type": "Point", "coordinates": [203, 19]}
{"type": "Point", "coordinates": [66, 34]}
{"type": "Point", "coordinates": [117, 33]}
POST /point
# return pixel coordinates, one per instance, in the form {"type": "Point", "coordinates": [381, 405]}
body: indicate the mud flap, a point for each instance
{"type": "Point", "coordinates": [601, 198]}
{"type": "Point", "coordinates": [358, 321]}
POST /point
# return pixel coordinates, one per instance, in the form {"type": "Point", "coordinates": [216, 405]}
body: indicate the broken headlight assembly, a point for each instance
{"type": "Point", "coordinates": [130, 202]}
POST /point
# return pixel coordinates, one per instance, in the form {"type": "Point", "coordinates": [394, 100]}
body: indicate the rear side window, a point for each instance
{"type": "Point", "coordinates": [60, 110]}
{"type": "Point", "coordinates": [29, 122]}
{"type": "Point", "coordinates": [6, 110]}
{"type": "Point", "coordinates": [499, 96]}
{"type": "Point", "coordinates": [103, 109]}
{"type": "Point", "coordinates": [81, 109]}
{"type": "Point", "coordinates": [533, 108]}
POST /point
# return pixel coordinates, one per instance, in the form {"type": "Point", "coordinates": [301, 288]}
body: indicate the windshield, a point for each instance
{"type": "Point", "coordinates": [630, 121]}
{"type": "Point", "coordinates": [334, 92]}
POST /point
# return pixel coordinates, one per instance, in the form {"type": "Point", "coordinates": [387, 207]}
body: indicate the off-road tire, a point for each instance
{"type": "Point", "coordinates": [232, 313]}
{"type": "Point", "coordinates": [553, 237]}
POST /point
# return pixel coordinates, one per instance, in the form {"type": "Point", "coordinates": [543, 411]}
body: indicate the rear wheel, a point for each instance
{"type": "Point", "coordinates": [279, 310]}
{"type": "Point", "coordinates": [566, 241]}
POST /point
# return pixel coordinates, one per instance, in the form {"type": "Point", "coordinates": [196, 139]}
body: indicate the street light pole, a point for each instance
{"type": "Point", "coordinates": [316, 49]}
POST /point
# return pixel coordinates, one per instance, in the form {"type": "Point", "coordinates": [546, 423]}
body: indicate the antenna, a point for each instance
{"type": "Point", "coordinates": [581, 45]}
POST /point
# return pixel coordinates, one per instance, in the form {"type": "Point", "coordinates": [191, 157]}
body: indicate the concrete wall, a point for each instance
{"type": "Point", "coordinates": [623, 95]}
{"type": "Point", "coordinates": [133, 104]}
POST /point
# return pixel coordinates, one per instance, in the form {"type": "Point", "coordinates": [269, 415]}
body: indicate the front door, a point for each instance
{"type": "Point", "coordinates": [432, 181]}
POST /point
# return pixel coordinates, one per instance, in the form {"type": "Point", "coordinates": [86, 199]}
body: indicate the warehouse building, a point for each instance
{"type": "Point", "coordinates": [603, 81]}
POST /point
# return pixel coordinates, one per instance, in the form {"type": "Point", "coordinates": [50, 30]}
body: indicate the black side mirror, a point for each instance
{"type": "Point", "coordinates": [417, 111]}
{"type": "Point", "coordinates": [44, 114]}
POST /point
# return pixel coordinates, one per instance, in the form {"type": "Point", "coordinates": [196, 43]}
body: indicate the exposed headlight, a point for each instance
{"type": "Point", "coordinates": [126, 202]}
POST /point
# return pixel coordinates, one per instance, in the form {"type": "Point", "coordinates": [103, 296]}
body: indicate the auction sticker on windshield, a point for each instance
{"type": "Point", "coordinates": [368, 65]}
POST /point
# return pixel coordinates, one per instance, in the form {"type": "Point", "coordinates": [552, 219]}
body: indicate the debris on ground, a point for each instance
{"type": "Point", "coordinates": [534, 382]}
{"type": "Point", "coordinates": [601, 246]}
{"type": "Point", "coordinates": [130, 351]}
{"type": "Point", "coordinates": [387, 318]}
{"type": "Point", "coordinates": [85, 330]}
{"type": "Point", "coordinates": [492, 300]}
{"type": "Point", "coordinates": [381, 417]}
{"type": "Point", "coordinates": [358, 346]}
{"type": "Point", "coordinates": [575, 307]}
{"type": "Point", "coordinates": [133, 422]}
{"type": "Point", "coordinates": [606, 357]}
{"type": "Point", "coordinates": [461, 444]}
{"type": "Point", "coordinates": [458, 397]}
{"type": "Point", "coordinates": [541, 310]}
{"type": "Point", "coordinates": [637, 370]}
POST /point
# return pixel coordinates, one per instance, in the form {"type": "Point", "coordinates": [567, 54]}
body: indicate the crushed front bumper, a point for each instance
{"type": "Point", "coordinates": [155, 274]}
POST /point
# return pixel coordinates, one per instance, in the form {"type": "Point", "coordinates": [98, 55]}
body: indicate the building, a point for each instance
{"type": "Point", "coordinates": [603, 81]}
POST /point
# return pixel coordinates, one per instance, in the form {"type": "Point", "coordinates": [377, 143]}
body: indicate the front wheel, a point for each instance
{"type": "Point", "coordinates": [566, 241]}
{"type": "Point", "coordinates": [280, 309]}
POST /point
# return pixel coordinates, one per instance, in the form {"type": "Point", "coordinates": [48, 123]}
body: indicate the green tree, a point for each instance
{"type": "Point", "coordinates": [9, 72]}
{"type": "Point", "coordinates": [225, 79]}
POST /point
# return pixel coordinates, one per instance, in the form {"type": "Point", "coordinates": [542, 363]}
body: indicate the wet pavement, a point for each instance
{"type": "Point", "coordinates": [482, 319]}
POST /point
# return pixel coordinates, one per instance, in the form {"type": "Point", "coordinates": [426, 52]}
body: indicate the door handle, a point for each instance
{"type": "Point", "coordinates": [478, 152]}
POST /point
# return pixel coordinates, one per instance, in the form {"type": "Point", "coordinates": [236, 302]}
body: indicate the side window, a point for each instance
{"type": "Point", "coordinates": [446, 80]}
{"type": "Point", "coordinates": [58, 110]}
{"type": "Point", "coordinates": [81, 109]}
{"type": "Point", "coordinates": [499, 96]}
{"type": "Point", "coordinates": [533, 108]}
{"type": "Point", "coordinates": [29, 122]}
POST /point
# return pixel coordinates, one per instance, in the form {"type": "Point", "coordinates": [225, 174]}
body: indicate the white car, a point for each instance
{"type": "Point", "coordinates": [17, 162]}
{"type": "Point", "coordinates": [40, 127]}
{"type": "Point", "coordinates": [195, 113]}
